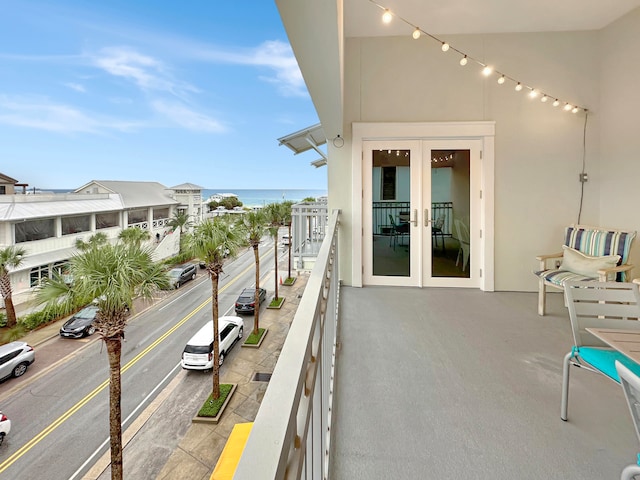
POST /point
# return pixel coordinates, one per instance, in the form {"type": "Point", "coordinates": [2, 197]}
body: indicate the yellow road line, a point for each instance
{"type": "Point", "coordinates": [64, 417]}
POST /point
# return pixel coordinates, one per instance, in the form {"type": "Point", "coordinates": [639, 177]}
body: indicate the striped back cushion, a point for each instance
{"type": "Point", "coordinates": [600, 242]}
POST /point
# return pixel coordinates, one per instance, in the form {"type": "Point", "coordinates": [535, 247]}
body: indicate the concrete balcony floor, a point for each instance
{"type": "Point", "coordinates": [458, 383]}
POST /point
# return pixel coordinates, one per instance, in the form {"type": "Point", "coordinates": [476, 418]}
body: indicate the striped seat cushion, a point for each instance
{"type": "Point", "coordinates": [558, 277]}
{"type": "Point", "coordinates": [598, 243]}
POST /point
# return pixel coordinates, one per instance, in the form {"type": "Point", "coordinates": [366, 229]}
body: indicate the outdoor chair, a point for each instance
{"type": "Point", "coordinates": [589, 253]}
{"type": "Point", "coordinates": [398, 230]}
{"type": "Point", "coordinates": [614, 305]}
{"type": "Point", "coordinates": [462, 232]}
{"type": "Point", "coordinates": [436, 230]}
{"type": "Point", "coordinates": [631, 388]}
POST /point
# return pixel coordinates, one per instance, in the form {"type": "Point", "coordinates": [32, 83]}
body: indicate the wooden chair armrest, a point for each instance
{"type": "Point", "coordinates": [620, 268]}
{"type": "Point", "coordinates": [636, 281]}
{"type": "Point", "coordinates": [543, 259]}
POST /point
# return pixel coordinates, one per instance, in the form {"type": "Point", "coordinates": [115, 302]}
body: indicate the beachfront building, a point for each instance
{"type": "Point", "coordinates": [189, 198]}
{"type": "Point", "coordinates": [48, 225]}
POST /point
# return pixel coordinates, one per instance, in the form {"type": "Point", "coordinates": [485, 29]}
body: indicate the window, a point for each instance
{"type": "Point", "coordinates": [388, 188]}
{"type": "Point", "coordinates": [38, 274]}
{"type": "Point", "coordinates": [160, 213]}
{"type": "Point", "coordinates": [77, 224]}
{"type": "Point", "coordinates": [9, 356]}
{"type": "Point", "coordinates": [35, 230]}
{"type": "Point", "coordinates": [138, 216]}
{"type": "Point", "coordinates": [106, 220]}
{"type": "Point", "coordinates": [227, 330]}
{"type": "Point", "coordinates": [3, 190]}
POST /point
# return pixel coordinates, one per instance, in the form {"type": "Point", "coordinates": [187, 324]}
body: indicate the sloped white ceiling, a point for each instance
{"type": "Point", "coordinates": [363, 17]}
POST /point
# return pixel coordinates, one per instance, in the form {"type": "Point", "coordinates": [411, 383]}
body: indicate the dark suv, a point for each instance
{"type": "Point", "coordinates": [181, 274]}
{"type": "Point", "coordinates": [246, 302]}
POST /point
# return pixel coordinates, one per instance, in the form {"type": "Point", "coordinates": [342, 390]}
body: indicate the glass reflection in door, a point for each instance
{"type": "Point", "coordinates": [391, 189]}
{"type": "Point", "coordinates": [450, 213]}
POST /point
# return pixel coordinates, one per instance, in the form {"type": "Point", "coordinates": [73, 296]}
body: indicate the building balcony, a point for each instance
{"type": "Point", "coordinates": [442, 383]}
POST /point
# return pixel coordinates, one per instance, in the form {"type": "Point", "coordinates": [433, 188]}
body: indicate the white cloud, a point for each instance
{"type": "Point", "coordinates": [187, 118]}
{"type": "Point", "coordinates": [75, 86]}
{"type": "Point", "coordinates": [144, 71]}
{"type": "Point", "coordinates": [43, 115]}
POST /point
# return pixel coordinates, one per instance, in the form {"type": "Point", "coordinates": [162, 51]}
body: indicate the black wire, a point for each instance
{"type": "Point", "coordinates": [584, 155]}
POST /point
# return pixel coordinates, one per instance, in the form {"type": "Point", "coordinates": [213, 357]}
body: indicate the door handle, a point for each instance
{"type": "Point", "coordinates": [415, 217]}
{"type": "Point", "coordinates": [426, 217]}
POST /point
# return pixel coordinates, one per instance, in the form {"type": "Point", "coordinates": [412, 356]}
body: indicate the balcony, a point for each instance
{"type": "Point", "coordinates": [431, 383]}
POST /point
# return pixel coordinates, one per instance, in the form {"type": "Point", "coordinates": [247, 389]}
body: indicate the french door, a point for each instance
{"type": "Point", "coordinates": [421, 212]}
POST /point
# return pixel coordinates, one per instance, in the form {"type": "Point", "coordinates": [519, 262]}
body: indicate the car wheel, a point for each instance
{"type": "Point", "coordinates": [193, 277]}
{"type": "Point", "coordinates": [220, 359]}
{"type": "Point", "coordinates": [240, 333]}
{"type": "Point", "coordinates": [90, 331]}
{"type": "Point", "coordinates": [19, 369]}
{"type": "Point", "coordinates": [2, 437]}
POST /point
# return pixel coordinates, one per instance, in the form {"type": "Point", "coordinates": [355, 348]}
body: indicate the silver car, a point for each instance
{"type": "Point", "coordinates": [15, 357]}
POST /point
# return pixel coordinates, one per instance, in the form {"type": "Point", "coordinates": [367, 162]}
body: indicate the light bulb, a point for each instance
{"type": "Point", "coordinates": [416, 34]}
{"type": "Point", "coordinates": [533, 93]}
{"type": "Point", "coordinates": [544, 99]}
{"type": "Point", "coordinates": [445, 46]}
{"type": "Point", "coordinates": [518, 87]}
{"type": "Point", "coordinates": [463, 61]}
{"type": "Point", "coordinates": [575, 110]}
{"type": "Point", "coordinates": [567, 107]}
{"type": "Point", "coordinates": [501, 80]}
{"type": "Point", "coordinates": [386, 16]}
{"type": "Point", "coordinates": [556, 103]}
{"type": "Point", "coordinates": [486, 71]}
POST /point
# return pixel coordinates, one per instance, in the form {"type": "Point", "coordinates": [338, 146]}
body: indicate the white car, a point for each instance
{"type": "Point", "coordinates": [5, 426]}
{"type": "Point", "coordinates": [198, 353]}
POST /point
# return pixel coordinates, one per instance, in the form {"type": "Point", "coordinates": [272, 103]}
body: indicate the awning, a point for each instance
{"type": "Point", "coordinates": [306, 139]}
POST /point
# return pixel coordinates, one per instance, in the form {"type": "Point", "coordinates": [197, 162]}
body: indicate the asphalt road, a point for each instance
{"type": "Point", "coordinates": [60, 420]}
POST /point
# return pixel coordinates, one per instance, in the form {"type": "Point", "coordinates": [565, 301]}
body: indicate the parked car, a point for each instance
{"type": "Point", "coordinates": [178, 276]}
{"type": "Point", "coordinates": [286, 239]}
{"type": "Point", "coordinates": [246, 302]}
{"type": "Point", "coordinates": [15, 357]}
{"type": "Point", "coordinates": [198, 353]}
{"type": "Point", "coordinates": [80, 324]}
{"type": "Point", "coordinates": [5, 426]}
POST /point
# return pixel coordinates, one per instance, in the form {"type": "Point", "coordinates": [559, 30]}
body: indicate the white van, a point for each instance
{"type": "Point", "coordinates": [198, 353]}
{"type": "Point", "coordinates": [286, 239]}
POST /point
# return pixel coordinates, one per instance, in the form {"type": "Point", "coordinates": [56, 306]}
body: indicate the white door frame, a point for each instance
{"type": "Point", "coordinates": [483, 131]}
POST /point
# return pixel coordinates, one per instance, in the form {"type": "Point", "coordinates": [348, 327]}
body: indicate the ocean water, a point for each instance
{"type": "Point", "coordinates": [261, 197]}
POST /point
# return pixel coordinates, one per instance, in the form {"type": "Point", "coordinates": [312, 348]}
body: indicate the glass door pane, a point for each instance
{"type": "Point", "coordinates": [390, 212]}
{"type": "Point", "coordinates": [450, 213]}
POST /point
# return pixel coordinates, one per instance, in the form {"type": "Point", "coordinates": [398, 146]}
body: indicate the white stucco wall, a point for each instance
{"type": "Point", "coordinates": [538, 148]}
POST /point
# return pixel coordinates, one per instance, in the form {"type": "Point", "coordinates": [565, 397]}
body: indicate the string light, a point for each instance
{"type": "Point", "coordinates": [387, 16]}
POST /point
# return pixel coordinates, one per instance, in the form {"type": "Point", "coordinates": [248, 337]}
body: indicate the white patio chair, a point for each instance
{"type": "Point", "coordinates": [591, 304]}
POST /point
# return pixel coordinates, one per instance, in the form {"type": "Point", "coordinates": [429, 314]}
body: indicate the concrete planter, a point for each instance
{"type": "Point", "coordinates": [216, 419]}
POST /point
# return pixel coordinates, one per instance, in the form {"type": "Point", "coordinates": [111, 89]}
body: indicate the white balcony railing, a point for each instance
{"type": "Point", "coordinates": [291, 434]}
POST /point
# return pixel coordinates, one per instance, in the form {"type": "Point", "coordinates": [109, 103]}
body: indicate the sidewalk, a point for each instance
{"type": "Point", "coordinates": [164, 444]}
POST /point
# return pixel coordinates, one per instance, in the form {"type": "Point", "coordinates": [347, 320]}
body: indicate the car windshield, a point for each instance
{"type": "Point", "coordinates": [175, 273]}
{"type": "Point", "coordinates": [86, 313]}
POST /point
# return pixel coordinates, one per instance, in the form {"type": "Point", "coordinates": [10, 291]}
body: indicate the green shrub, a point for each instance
{"type": "Point", "coordinates": [3, 319]}
{"type": "Point", "coordinates": [33, 320]}
{"type": "Point", "coordinates": [211, 407]}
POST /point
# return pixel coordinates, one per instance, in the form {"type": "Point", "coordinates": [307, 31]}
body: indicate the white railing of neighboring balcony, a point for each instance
{"type": "Point", "coordinates": [291, 435]}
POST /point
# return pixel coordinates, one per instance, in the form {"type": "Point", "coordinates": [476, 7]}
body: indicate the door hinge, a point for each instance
{"type": "Point", "coordinates": [480, 233]}
{"type": "Point", "coordinates": [480, 154]}
{"type": "Point", "coordinates": [480, 273]}
{"type": "Point", "coordinates": [480, 194]}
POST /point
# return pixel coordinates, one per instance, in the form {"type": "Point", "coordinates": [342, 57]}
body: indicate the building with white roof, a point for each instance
{"type": "Point", "coordinates": [48, 225]}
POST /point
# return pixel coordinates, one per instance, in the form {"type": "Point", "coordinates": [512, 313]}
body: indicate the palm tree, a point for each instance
{"type": "Point", "coordinates": [254, 227]}
{"type": "Point", "coordinates": [287, 220]}
{"type": "Point", "coordinates": [95, 240]}
{"type": "Point", "coordinates": [134, 236]}
{"type": "Point", "coordinates": [274, 215]}
{"type": "Point", "coordinates": [212, 241]}
{"type": "Point", "coordinates": [10, 257]}
{"type": "Point", "coordinates": [112, 275]}
{"type": "Point", "coordinates": [180, 219]}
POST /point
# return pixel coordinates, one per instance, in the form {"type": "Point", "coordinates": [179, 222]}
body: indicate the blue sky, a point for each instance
{"type": "Point", "coordinates": [164, 91]}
